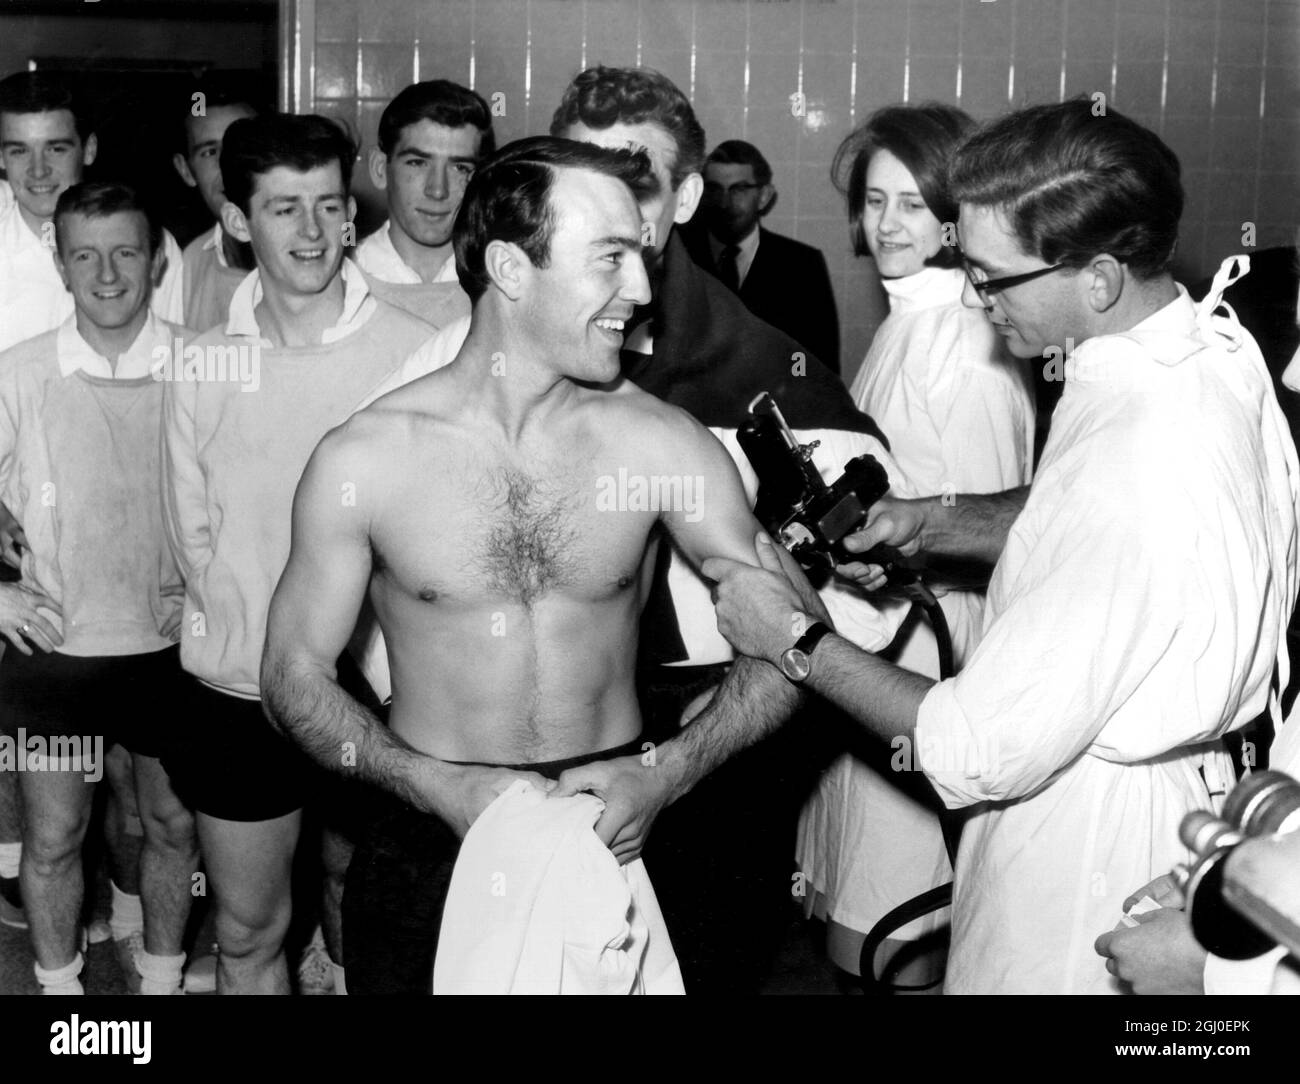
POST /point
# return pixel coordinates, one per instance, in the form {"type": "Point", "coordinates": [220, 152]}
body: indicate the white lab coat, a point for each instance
{"type": "Point", "coordinates": [539, 905]}
{"type": "Point", "coordinates": [1137, 610]}
{"type": "Point", "coordinates": [959, 415]}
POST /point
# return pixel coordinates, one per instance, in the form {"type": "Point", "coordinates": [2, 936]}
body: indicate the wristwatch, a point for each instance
{"type": "Point", "coordinates": [796, 662]}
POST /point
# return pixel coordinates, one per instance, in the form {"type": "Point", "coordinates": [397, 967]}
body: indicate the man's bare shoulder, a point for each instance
{"type": "Point", "coordinates": [648, 422]}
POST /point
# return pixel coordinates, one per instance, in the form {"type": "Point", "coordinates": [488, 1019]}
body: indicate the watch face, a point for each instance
{"type": "Point", "coordinates": [794, 664]}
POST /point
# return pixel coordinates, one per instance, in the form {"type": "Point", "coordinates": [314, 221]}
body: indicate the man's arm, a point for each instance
{"type": "Point", "coordinates": [752, 700]}
{"type": "Point", "coordinates": [972, 526]}
{"type": "Point", "coordinates": [312, 615]}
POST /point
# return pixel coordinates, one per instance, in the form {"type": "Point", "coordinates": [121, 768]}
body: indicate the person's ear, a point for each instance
{"type": "Point", "coordinates": [688, 198]}
{"type": "Point", "coordinates": [158, 264]}
{"type": "Point", "coordinates": [91, 149]}
{"type": "Point", "coordinates": [508, 266]}
{"type": "Point", "coordinates": [766, 199]}
{"type": "Point", "coordinates": [183, 168]}
{"type": "Point", "coordinates": [62, 268]}
{"type": "Point", "coordinates": [352, 209]}
{"type": "Point", "coordinates": [1104, 282]}
{"type": "Point", "coordinates": [378, 168]}
{"type": "Point", "coordinates": [234, 222]}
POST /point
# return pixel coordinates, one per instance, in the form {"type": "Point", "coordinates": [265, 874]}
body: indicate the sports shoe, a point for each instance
{"type": "Point", "coordinates": [201, 975]}
{"type": "Point", "coordinates": [11, 904]}
{"type": "Point", "coordinates": [126, 948]}
{"type": "Point", "coordinates": [315, 970]}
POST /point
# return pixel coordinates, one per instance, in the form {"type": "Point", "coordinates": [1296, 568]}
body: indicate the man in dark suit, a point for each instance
{"type": "Point", "coordinates": [781, 280]}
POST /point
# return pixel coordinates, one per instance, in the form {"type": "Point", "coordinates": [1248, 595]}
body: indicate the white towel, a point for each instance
{"type": "Point", "coordinates": [539, 905]}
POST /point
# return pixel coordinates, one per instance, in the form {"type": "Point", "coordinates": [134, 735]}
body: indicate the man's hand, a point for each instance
{"type": "Point", "coordinates": [892, 522]}
{"type": "Point", "coordinates": [1157, 956]}
{"type": "Point", "coordinates": [467, 790]}
{"type": "Point", "coordinates": [633, 792]}
{"type": "Point", "coordinates": [761, 611]}
{"type": "Point", "coordinates": [20, 619]}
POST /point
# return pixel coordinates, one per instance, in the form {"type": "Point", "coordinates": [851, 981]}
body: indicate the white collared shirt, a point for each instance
{"type": "Point", "coordinates": [33, 298]}
{"type": "Point", "coordinates": [377, 256]}
{"type": "Point", "coordinates": [744, 259]}
{"type": "Point", "coordinates": [214, 240]}
{"type": "Point", "coordinates": [358, 307]}
{"type": "Point", "coordinates": [75, 354]}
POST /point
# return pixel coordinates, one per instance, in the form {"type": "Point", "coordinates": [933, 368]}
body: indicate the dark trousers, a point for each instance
{"type": "Point", "coordinates": [721, 858]}
{"type": "Point", "coordinates": [397, 885]}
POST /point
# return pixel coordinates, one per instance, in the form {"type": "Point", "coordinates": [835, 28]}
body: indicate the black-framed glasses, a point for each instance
{"type": "Point", "coordinates": [715, 191]}
{"type": "Point", "coordinates": [986, 288]}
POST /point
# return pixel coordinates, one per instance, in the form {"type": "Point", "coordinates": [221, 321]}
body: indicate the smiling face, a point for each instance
{"type": "Point", "coordinates": [1034, 315]}
{"type": "Point", "coordinates": [42, 156]}
{"type": "Point", "coordinates": [900, 230]}
{"type": "Point", "coordinates": [667, 206]}
{"type": "Point", "coordinates": [580, 302]}
{"type": "Point", "coordinates": [200, 166]}
{"type": "Point", "coordinates": [295, 223]}
{"type": "Point", "coordinates": [106, 264]}
{"type": "Point", "coordinates": [425, 179]}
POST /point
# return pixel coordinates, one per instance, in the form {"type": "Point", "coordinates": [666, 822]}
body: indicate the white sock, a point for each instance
{"type": "Point", "coordinates": [127, 916]}
{"type": "Point", "coordinates": [62, 980]}
{"type": "Point", "coordinates": [340, 986]}
{"type": "Point", "coordinates": [10, 855]}
{"type": "Point", "coordinates": [159, 974]}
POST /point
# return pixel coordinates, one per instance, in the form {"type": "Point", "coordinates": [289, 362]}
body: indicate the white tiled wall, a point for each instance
{"type": "Point", "coordinates": [1220, 79]}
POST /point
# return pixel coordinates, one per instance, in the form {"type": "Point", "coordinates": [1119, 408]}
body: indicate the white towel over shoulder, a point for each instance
{"type": "Point", "coordinates": [539, 905]}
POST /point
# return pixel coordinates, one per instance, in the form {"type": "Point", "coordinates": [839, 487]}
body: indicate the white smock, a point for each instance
{"type": "Point", "coordinates": [1138, 609]}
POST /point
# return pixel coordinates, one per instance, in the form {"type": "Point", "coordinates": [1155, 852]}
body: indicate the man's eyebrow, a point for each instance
{"type": "Point", "coordinates": [617, 239]}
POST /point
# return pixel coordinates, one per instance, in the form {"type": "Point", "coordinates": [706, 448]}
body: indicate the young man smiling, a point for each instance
{"type": "Point", "coordinates": [431, 138]}
{"type": "Point", "coordinates": [231, 463]}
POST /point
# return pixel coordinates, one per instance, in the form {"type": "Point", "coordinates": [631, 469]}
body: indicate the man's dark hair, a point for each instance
{"type": "Point", "coordinates": [254, 145]}
{"type": "Point", "coordinates": [1074, 185]}
{"type": "Point", "coordinates": [601, 97]}
{"type": "Point", "coordinates": [441, 101]}
{"type": "Point", "coordinates": [922, 137]}
{"type": "Point", "coordinates": [99, 199]}
{"type": "Point", "coordinates": [43, 92]}
{"type": "Point", "coordinates": [218, 89]}
{"type": "Point", "coordinates": [509, 199]}
{"type": "Point", "coordinates": [736, 152]}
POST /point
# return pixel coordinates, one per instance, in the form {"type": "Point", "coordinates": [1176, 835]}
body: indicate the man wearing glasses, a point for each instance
{"type": "Point", "coordinates": [1141, 584]}
{"type": "Point", "coordinates": [780, 280]}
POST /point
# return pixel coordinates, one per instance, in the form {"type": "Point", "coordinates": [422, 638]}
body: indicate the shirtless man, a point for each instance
{"type": "Point", "coordinates": [508, 588]}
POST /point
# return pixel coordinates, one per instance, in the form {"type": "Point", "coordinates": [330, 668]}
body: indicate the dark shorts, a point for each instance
{"type": "Point", "coordinates": [133, 700]}
{"type": "Point", "coordinates": [228, 761]}
{"type": "Point", "coordinates": [397, 884]}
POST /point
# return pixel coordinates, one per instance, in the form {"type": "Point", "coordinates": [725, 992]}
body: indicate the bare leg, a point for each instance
{"type": "Point", "coordinates": [336, 853]}
{"type": "Point", "coordinates": [122, 822]}
{"type": "Point", "coordinates": [168, 860]}
{"type": "Point", "coordinates": [57, 807]}
{"type": "Point", "coordinates": [249, 865]}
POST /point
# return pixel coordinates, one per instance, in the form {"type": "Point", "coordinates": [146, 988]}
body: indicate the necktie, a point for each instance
{"type": "Point", "coordinates": [728, 271]}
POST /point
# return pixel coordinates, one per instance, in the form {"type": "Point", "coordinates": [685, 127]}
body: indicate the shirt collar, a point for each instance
{"type": "Point", "coordinates": [378, 256]}
{"type": "Point", "coordinates": [215, 241]}
{"type": "Point", "coordinates": [748, 246]}
{"type": "Point", "coordinates": [138, 360]}
{"type": "Point", "coordinates": [358, 306]}
{"type": "Point", "coordinates": [15, 235]}
{"type": "Point", "coordinates": [928, 288]}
